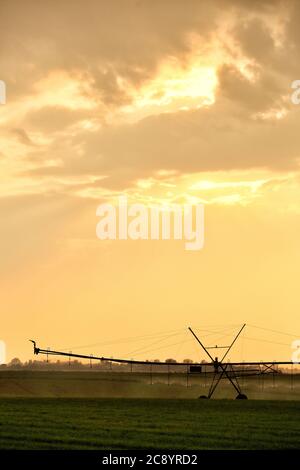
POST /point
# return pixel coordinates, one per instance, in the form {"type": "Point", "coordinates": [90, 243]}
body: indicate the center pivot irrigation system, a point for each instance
{"type": "Point", "coordinates": [220, 369]}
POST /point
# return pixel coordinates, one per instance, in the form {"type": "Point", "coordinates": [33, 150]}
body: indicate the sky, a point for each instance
{"type": "Point", "coordinates": [163, 102]}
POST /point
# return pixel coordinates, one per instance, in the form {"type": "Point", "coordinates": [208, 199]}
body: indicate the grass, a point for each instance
{"type": "Point", "coordinates": [75, 423]}
{"type": "Point", "coordinates": [94, 410]}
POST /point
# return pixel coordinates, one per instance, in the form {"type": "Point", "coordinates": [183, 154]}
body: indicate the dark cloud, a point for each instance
{"type": "Point", "coordinates": [22, 137]}
{"type": "Point", "coordinates": [266, 93]}
{"type": "Point", "coordinates": [105, 40]}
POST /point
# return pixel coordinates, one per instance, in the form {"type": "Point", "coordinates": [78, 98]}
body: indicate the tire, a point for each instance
{"type": "Point", "coordinates": [241, 396]}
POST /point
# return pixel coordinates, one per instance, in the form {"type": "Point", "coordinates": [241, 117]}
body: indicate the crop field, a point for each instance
{"type": "Point", "coordinates": [37, 423]}
{"type": "Point", "coordinates": [92, 410]}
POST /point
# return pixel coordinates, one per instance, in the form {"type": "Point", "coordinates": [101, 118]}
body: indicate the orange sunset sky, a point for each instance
{"type": "Point", "coordinates": [166, 101]}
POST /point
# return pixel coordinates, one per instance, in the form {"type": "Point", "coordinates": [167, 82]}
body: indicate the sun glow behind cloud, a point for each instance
{"type": "Point", "coordinates": [174, 88]}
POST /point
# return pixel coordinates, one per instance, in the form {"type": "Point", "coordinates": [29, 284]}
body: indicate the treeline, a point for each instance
{"type": "Point", "coordinates": [50, 364]}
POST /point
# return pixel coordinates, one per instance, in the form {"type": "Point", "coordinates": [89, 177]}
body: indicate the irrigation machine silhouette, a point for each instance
{"type": "Point", "coordinates": [231, 371]}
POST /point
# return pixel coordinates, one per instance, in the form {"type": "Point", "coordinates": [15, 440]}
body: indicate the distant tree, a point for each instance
{"type": "Point", "coordinates": [171, 360]}
{"type": "Point", "coordinates": [187, 360]}
{"type": "Point", "coordinates": [15, 363]}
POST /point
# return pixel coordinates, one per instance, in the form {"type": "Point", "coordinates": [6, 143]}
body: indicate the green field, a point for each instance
{"type": "Point", "coordinates": [36, 423]}
{"type": "Point", "coordinates": [94, 410]}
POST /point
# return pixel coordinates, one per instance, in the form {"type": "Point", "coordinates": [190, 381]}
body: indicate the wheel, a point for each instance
{"type": "Point", "coordinates": [241, 396]}
{"type": "Point", "coordinates": [203, 396]}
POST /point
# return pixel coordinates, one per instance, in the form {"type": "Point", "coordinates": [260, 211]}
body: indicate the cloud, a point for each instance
{"type": "Point", "coordinates": [50, 119]}
{"type": "Point", "coordinates": [107, 41]}
{"type": "Point", "coordinates": [110, 59]}
{"type": "Point", "coordinates": [224, 136]}
{"type": "Point", "coordinates": [22, 136]}
{"type": "Point", "coordinates": [266, 93]}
